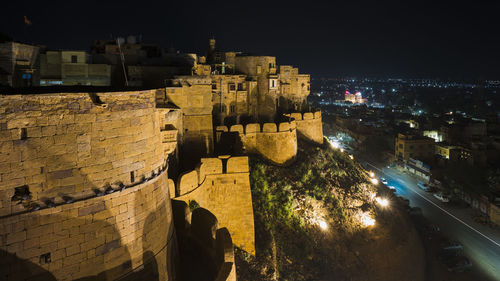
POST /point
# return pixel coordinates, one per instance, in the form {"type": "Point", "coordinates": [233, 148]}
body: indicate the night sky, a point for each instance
{"type": "Point", "coordinates": [331, 38]}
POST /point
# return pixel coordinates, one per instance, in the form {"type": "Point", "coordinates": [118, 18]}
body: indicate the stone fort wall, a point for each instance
{"type": "Point", "coordinates": [275, 142]}
{"type": "Point", "coordinates": [309, 125]}
{"type": "Point", "coordinates": [66, 149]}
{"type": "Point", "coordinates": [222, 186]}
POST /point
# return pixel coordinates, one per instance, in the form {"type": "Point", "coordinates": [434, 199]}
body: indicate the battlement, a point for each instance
{"type": "Point", "coordinates": [189, 181]}
{"type": "Point", "coordinates": [211, 184]}
{"type": "Point", "coordinates": [309, 125]}
{"type": "Point", "coordinates": [298, 116]}
{"type": "Point", "coordinates": [254, 128]}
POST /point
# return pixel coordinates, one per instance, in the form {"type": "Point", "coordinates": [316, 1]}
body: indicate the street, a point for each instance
{"type": "Point", "coordinates": [481, 243]}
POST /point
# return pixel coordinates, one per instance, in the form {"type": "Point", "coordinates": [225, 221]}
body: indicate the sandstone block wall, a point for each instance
{"type": "Point", "coordinates": [309, 125]}
{"type": "Point", "coordinates": [275, 142]}
{"type": "Point", "coordinates": [70, 144]}
{"type": "Point", "coordinates": [224, 178]}
{"type": "Point", "coordinates": [62, 146]}
{"type": "Point", "coordinates": [105, 237]}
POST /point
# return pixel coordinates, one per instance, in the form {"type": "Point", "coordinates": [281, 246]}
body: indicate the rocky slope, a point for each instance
{"type": "Point", "coordinates": [318, 220]}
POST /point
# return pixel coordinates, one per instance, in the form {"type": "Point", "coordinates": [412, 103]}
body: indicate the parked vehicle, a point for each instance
{"type": "Point", "coordinates": [391, 187]}
{"type": "Point", "coordinates": [447, 255]}
{"type": "Point", "coordinates": [452, 245]}
{"type": "Point", "coordinates": [458, 264]}
{"type": "Point", "coordinates": [431, 231]}
{"type": "Point", "coordinates": [442, 197]}
{"type": "Point", "coordinates": [424, 186]}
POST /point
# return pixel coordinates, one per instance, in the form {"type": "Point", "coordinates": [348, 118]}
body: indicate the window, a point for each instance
{"type": "Point", "coordinates": [232, 108]}
{"type": "Point", "coordinates": [214, 86]}
{"type": "Point", "coordinates": [74, 59]}
{"type": "Point", "coordinates": [240, 86]}
{"type": "Point", "coordinates": [400, 145]}
{"type": "Point", "coordinates": [232, 87]}
{"type": "Point", "coordinates": [24, 133]}
{"type": "Point", "coordinates": [273, 84]}
{"type": "Point", "coordinates": [271, 65]}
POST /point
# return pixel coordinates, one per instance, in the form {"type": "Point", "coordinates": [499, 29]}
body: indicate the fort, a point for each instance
{"type": "Point", "coordinates": [125, 185]}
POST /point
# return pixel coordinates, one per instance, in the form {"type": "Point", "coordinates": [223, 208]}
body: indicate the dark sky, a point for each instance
{"type": "Point", "coordinates": [329, 38]}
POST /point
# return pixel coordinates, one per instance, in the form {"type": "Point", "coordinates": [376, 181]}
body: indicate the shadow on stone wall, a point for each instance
{"type": "Point", "coordinates": [229, 144]}
{"type": "Point", "coordinates": [12, 267]}
{"type": "Point", "coordinates": [9, 261]}
{"type": "Point", "coordinates": [203, 248]}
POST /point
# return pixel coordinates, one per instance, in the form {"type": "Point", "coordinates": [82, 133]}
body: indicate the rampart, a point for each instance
{"type": "Point", "coordinates": [309, 125]}
{"type": "Point", "coordinates": [222, 186]}
{"type": "Point", "coordinates": [277, 142]}
{"type": "Point", "coordinates": [83, 187]}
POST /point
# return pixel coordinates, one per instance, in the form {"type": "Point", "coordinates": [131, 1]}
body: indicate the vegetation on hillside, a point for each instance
{"type": "Point", "coordinates": [311, 218]}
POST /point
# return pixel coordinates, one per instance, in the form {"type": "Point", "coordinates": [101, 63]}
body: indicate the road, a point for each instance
{"type": "Point", "coordinates": [481, 243]}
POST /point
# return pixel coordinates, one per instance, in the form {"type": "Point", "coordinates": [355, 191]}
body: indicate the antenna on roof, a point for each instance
{"type": "Point", "coordinates": [122, 58]}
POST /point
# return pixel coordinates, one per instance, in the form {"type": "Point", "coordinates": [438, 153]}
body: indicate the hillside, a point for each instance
{"type": "Point", "coordinates": [313, 222]}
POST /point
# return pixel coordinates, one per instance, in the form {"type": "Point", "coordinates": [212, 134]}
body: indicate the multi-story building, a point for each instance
{"type": "Point", "coordinates": [232, 98]}
{"type": "Point", "coordinates": [19, 65]}
{"type": "Point", "coordinates": [414, 147]}
{"type": "Point", "coordinates": [270, 91]}
{"type": "Point", "coordinates": [294, 89]}
{"type": "Point", "coordinates": [72, 68]}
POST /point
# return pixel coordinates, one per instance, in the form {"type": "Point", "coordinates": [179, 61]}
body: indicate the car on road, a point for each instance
{"type": "Point", "coordinates": [452, 245]}
{"type": "Point", "coordinates": [446, 255]}
{"type": "Point", "coordinates": [458, 264]}
{"type": "Point", "coordinates": [442, 197]}
{"type": "Point", "coordinates": [384, 181]}
{"type": "Point", "coordinates": [424, 186]}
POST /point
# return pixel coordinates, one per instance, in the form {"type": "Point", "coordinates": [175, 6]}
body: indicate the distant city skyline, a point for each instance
{"type": "Point", "coordinates": [439, 40]}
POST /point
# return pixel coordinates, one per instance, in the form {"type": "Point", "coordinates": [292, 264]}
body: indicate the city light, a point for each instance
{"type": "Point", "coordinates": [374, 181]}
{"type": "Point", "coordinates": [366, 219]}
{"type": "Point", "coordinates": [352, 157]}
{"type": "Point", "coordinates": [335, 144]}
{"type": "Point", "coordinates": [372, 174]}
{"type": "Point", "coordinates": [383, 202]}
{"type": "Point", "coordinates": [322, 224]}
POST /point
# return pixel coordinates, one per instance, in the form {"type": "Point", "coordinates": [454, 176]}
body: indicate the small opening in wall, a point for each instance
{"type": "Point", "coordinates": [45, 258]}
{"type": "Point", "coordinates": [132, 176]}
{"type": "Point", "coordinates": [212, 182]}
{"type": "Point", "coordinates": [24, 133]}
{"type": "Point", "coordinates": [41, 170]}
{"type": "Point", "coordinates": [234, 181]}
{"type": "Point", "coordinates": [21, 193]}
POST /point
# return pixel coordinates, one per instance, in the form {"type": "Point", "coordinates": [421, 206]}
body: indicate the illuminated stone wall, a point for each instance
{"type": "Point", "coordinates": [222, 186]}
{"type": "Point", "coordinates": [67, 149]}
{"type": "Point", "coordinates": [309, 126]}
{"type": "Point", "coordinates": [275, 142]}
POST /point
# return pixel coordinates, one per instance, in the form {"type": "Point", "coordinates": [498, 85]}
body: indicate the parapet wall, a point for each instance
{"type": "Point", "coordinates": [222, 186]}
{"type": "Point", "coordinates": [309, 125]}
{"type": "Point", "coordinates": [69, 144]}
{"type": "Point", "coordinates": [59, 153]}
{"type": "Point", "coordinates": [275, 142]}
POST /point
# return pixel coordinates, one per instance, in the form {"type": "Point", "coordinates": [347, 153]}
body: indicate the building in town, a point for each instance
{"type": "Point", "coordinates": [19, 65]}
